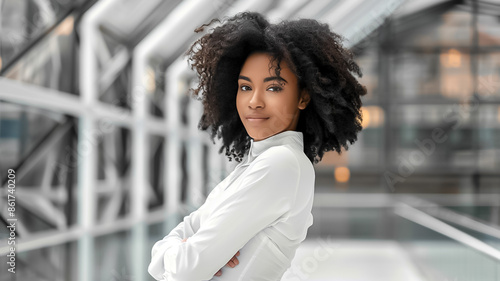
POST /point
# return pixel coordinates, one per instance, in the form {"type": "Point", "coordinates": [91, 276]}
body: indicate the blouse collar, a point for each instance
{"type": "Point", "coordinates": [293, 138]}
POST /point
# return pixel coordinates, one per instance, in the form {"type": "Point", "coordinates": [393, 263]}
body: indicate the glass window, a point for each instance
{"type": "Point", "coordinates": [113, 172]}
{"type": "Point", "coordinates": [489, 75]}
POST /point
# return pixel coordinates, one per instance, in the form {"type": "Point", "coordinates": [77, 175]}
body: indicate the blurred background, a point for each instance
{"type": "Point", "coordinates": [96, 122]}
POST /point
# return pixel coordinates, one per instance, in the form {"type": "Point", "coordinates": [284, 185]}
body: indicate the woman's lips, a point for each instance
{"type": "Point", "coordinates": [257, 119]}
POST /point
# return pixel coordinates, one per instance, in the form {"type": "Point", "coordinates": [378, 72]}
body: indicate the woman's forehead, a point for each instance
{"type": "Point", "coordinates": [261, 64]}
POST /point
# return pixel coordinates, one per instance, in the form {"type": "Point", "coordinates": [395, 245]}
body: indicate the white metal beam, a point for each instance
{"type": "Point", "coordinates": [341, 11]}
{"type": "Point", "coordinates": [66, 103]}
{"type": "Point", "coordinates": [355, 19]}
{"type": "Point", "coordinates": [313, 8]}
{"type": "Point", "coordinates": [286, 9]}
{"type": "Point", "coordinates": [39, 97]}
{"type": "Point", "coordinates": [87, 147]}
{"type": "Point", "coordinates": [417, 216]}
{"type": "Point", "coordinates": [173, 144]}
{"type": "Point", "coordinates": [113, 68]}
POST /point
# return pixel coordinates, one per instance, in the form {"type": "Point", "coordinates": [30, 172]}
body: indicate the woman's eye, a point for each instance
{"type": "Point", "coordinates": [245, 88]}
{"type": "Point", "coordinates": [275, 89]}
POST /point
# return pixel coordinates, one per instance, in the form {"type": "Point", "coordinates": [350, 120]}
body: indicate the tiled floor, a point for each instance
{"type": "Point", "coordinates": [323, 259]}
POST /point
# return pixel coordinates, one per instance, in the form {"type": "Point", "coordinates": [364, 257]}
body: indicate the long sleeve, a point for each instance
{"type": "Point", "coordinates": [185, 229]}
{"type": "Point", "coordinates": [263, 197]}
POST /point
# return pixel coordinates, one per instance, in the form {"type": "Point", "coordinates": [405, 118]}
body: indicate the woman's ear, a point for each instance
{"type": "Point", "coordinates": [305, 98]}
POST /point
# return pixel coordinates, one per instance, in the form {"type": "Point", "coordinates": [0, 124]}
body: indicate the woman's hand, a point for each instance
{"type": "Point", "coordinates": [231, 263]}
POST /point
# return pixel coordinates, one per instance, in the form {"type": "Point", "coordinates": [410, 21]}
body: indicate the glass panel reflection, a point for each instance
{"type": "Point", "coordinates": [113, 168]}
{"type": "Point", "coordinates": [56, 263]}
{"type": "Point", "coordinates": [112, 259]}
{"type": "Point", "coordinates": [41, 147]}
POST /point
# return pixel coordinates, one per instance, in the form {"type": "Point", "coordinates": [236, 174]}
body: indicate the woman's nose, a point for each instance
{"type": "Point", "coordinates": [256, 101]}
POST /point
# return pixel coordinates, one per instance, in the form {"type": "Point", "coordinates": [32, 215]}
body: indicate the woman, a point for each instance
{"type": "Point", "coordinates": [279, 96]}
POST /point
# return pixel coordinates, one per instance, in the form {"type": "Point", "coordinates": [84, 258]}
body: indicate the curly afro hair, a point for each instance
{"type": "Point", "coordinates": [316, 56]}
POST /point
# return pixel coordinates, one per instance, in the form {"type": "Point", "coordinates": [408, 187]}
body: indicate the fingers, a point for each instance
{"type": "Point", "coordinates": [219, 273]}
{"type": "Point", "coordinates": [234, 260]}
{"type": "Point", "coordinates": [232, 263]}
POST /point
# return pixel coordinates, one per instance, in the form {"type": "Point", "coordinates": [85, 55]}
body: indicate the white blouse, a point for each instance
{"type": "Point", "coordinates": [262, 209]}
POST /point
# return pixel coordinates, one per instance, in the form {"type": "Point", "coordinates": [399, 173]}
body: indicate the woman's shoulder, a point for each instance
{"type": "Point", "coordinates": [286, 154]}
{"type": "Point", "coordinates": [279, 153]}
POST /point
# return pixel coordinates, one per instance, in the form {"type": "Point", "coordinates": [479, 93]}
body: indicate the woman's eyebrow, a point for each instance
{"type": "Point", "coordinates": [245, 78]}
{"type": "Point", "coordinates": [267, 79]}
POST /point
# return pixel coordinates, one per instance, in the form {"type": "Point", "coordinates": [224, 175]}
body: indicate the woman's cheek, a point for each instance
{"type": "Point", "coordinates": [277, 123]}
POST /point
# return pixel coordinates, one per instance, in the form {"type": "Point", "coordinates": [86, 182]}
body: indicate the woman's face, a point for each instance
{"type": "Point", "coordinates": [268, 105]}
